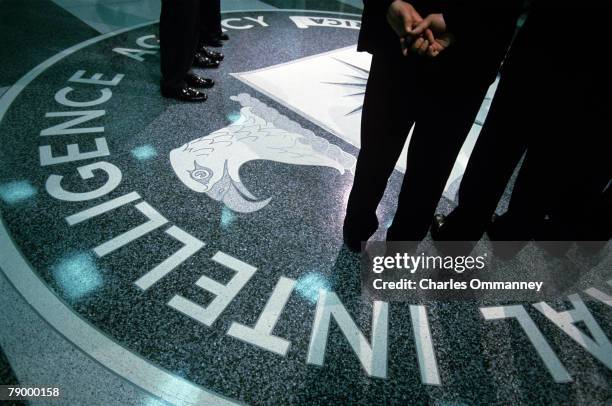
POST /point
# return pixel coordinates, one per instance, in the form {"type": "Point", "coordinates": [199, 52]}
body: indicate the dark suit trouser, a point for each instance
{"type": "Point", "coordinates": [385, 123]}
{"type": "Point", "coordinates": [179, 26]}
{"type": "Point", "coordinates": [499, 148]}
{"type": "Point", "coordinates": [558, 194]}
{"type": "Point", "coordinates": [555, 120]}
{"type": "Point", "coordinates": [563, 179]}
{"type": "Point", "coordinates": [393, 102]}
{"type": "Point", "coordinates": [210, 18]}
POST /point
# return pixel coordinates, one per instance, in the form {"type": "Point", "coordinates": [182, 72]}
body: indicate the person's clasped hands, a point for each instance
{"type": "Point", "coordinates": [423, 36]}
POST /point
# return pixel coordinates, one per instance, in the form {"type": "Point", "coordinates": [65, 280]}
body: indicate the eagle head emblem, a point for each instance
{"type": "Point", "coordinates": [211, 164]}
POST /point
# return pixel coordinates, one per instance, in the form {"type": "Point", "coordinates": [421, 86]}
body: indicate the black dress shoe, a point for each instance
{"type": "Point", "coordinates": [223, 36]}
{"type": "Point", "coordinates": [214, 55]}
{"type": "Point", "coordinates": [448, 244]}
{"type": "Point", "coordinates": [194, 80]}
{"type": "Point", "coordinates": [186, 93]}
{"type": "Point", "coordinates": [354, 232]}
{"type": "Point", "coordinates": [352, 240]}
{"type": "Point", "coordinates": [202, 61]}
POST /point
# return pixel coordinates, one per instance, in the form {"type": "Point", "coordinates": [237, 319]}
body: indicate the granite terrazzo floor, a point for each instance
{"type": "Point", "coordinates": [281, 216]}
{"type": "Point", "coordinates": [7, 376]}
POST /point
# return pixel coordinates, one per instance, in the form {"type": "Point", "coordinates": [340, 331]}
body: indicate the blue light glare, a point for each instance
{"type": "Point", "coordinates": [308, 286]}
{"type": "Point", "coordinates": [77, 275]}
{"type": "Point", "coordinates": [233, 116]}
{"type": "Point", "coordinates": [16, 191]}
{"type": "Point", "coordinates": [227, 217]}
{"type": "Point", "coordinates": [144, 152]}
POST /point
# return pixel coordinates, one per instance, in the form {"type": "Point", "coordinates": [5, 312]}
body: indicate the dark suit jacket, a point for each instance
{"type": "Point", "coordinates": [548, 45]}
{"type": "Point", "coordinates": [473, 57]}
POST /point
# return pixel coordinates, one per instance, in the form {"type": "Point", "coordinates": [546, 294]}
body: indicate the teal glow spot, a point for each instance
{"type": "Point", "coordinates": [227, 217]}
{"type": "Point", "coordinates": [233, 116]}
{"type": "Point", "coordinates": [309, 285]}
{"type": "Point", "coordinates": [77, 275]}
{"type": "Point", "coordinates": [144, 152]}
{"type": "Point", "coordinates": [17, 191]}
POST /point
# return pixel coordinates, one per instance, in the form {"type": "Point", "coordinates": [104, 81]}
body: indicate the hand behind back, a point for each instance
{"type": "Point", "coordinates": [425, 36]}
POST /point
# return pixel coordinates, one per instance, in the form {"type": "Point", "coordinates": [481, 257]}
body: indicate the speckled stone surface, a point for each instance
{"type": "Point", "coordinates": [29, 35]}
{"type": "Point", "coordinates": [297, 235]}
{"type": "Point", "coordinates": [41, 356]}
{"type": "Point", "coordinates": [7, 377]}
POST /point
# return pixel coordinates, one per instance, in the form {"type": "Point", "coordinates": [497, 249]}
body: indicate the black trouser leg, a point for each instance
{"type": "Point", "coordinates": [500, 146]}
{"type": "Point", "coordinates": [566, 168]}
{"type": "Point", "coordinates": [215, 17]}
{"type": "Point", "coordinates": [580, 175]}
{"type": "Point", "coordinates": [210, 19]}
{"type": "Point", "coordinates": [178, 31]}
{"type": "Point", "coordinates": [586, 159]}
{"type": "Point", "coordinates": [438, 136]}
{"type": "Point", "coordinates": [385, 124]}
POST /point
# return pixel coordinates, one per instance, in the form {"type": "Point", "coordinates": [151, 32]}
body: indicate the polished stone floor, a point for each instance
{"type": "Point", "coordinates": [155, 252]}
{"type": "Point", "coordinates": [7, 376]}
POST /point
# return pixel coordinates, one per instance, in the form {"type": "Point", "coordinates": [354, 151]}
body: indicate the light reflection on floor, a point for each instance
{"type": "Point", "coordinates": [308, 286]}
{"type": "Point", "coordinates": [17, 191]}
{"type": "Point", "coordinates": [144, 152]}
{"type": "Point", "coordinates": [77, 274]}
